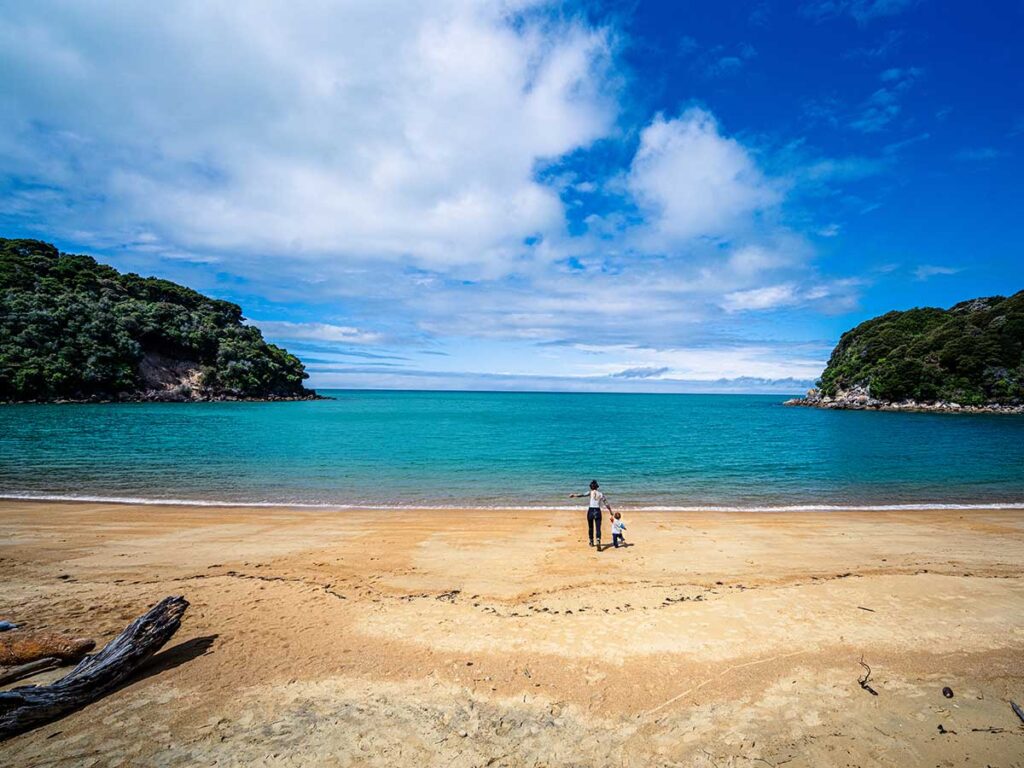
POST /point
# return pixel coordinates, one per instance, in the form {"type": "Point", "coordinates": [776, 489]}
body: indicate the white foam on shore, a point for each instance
{"type": "Point", "coordinates": [145, 501]}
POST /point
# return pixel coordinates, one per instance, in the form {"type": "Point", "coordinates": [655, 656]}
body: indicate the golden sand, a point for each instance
{"type": "Point", "coordinates": [473, 638]}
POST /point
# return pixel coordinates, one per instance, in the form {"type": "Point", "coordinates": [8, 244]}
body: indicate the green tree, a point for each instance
{"type": "Point", "coordinates": [972, 353]}
{"type": "Point", "coordinates": [71, 328]}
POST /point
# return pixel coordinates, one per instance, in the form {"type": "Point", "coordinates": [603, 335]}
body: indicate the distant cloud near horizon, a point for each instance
{"type": "Point", "coordinates": [646, 372]}
{"type": "Point", "coordinates": [356, 378]}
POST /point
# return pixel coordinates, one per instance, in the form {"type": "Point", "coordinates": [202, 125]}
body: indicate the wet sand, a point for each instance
{"type": "Point", "coordinates": [476, 638]}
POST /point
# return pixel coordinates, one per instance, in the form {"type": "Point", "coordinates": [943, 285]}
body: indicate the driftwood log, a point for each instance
{"type": "Point", "coordinates": [1017, 710]}
{"type": "Point", "coordinates": [22, 647]}
{"type": "Point", "coordinates": [29, 706]}
{"type": "Point", "coordinates": [13, 674]}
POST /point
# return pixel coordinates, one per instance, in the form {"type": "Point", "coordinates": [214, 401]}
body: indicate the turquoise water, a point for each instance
{"type": "Point", "coordinates": [510, 450]}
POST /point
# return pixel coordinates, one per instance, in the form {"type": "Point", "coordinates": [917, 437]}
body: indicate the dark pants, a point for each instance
{"type": "Point", "coordinates": [594, 522]}
{"type": "Point", "coordinates": [616, 538]}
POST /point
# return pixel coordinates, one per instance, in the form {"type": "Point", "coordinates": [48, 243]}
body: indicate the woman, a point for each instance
{"type": "Point", "coordinates": [594, 511]}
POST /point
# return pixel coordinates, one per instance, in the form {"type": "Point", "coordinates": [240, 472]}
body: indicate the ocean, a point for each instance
{"type": "Point", "coordinates": [508, 450]}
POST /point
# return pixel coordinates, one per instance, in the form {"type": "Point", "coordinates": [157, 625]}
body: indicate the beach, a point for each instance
{"type": "Point", "coordinates": [498, 637]}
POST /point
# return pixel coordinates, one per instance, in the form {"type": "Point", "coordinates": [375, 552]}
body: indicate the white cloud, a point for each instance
{"type": "Point", "coordinates": [693, 182]}
{"type": "Point", "coordinates": [829, 297]}
{"type": "Point", "coordinates": [360, 131]}
{"type": "Point", "coordinates": [702, 363]}
{"type": "Point", "coordinates": [280, 329]}
{"type": "Point", "coordinates": [769, 297]}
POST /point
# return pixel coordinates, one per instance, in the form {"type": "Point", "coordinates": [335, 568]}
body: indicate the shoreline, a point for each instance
{"type": "Point", "coordinates": [384, 639]}
{"type": "Point", "coordinates": [862, 402]}
{"type": "Point", "coordinates": [922, 506]}
{"type": "Point", "coordinates": [144, 398]}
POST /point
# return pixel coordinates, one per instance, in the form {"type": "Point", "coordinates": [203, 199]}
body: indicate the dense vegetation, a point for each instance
{"type": "Point", "coordinates": [972, 353]}
{"type": "Point", "coordinates": [71, 328]}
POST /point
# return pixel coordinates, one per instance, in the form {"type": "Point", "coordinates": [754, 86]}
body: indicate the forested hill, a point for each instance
{"type": "Point", "coordinates": [971, 354]}
{"type": "Point", "coordinates": [74, 329]}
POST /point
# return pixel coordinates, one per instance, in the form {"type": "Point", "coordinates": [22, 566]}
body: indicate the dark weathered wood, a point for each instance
{"type": "Point", "coordinates": [32, 705]}
{"type": "Point", "coordinates": [13, 674]}
{"type": "Point", "coordinates": [1017, 710]}
{"type": "Point", "coordinates": [863, 679]}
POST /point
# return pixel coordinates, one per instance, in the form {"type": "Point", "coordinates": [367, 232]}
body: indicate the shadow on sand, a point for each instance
{"type": "Point", "coordinates": [168, 659]}
{"type": "Point", "coordinates": [177, 655]}
{"type": "Point", "coordinates": [623, 545]}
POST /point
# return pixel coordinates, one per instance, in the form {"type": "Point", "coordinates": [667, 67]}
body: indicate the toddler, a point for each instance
{"type": "Point", "coordinates": [617, 528]}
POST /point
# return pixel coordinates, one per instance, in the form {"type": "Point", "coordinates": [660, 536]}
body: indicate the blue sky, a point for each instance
{"type": "Point", "coordinates": [673, 196]}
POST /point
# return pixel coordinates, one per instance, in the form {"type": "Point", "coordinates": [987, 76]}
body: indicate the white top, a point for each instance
{"type": "Point", "coordinates": [618, 526]}
{"type": "Point", "coordinates": [597, 499]}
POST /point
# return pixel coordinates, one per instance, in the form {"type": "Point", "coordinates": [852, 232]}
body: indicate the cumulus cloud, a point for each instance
{"type": "Point", "coordinates": [691, 181]}
{"type": "Point", "coordinates": [375, 131]}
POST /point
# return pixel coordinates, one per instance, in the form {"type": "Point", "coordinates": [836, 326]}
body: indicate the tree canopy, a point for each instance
{"type": "Point", "coordinates": [72, 328]}
{"type": "Point", "coordinates": [972, 353]}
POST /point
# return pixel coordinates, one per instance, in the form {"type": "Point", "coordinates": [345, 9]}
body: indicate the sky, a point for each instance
{"type": "Point", "coordinates": [592, 196]}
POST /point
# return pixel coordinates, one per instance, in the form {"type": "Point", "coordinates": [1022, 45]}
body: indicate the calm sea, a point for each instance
{"type": "Point", "coordinates": [510, 450]}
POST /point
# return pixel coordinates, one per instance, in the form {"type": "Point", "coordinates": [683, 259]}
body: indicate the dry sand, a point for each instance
{"type": "Point", "coordinates": [500, 638]}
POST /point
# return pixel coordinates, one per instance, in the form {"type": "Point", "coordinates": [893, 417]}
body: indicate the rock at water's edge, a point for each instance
{"type": "Point", "coordinates": [858, 399]}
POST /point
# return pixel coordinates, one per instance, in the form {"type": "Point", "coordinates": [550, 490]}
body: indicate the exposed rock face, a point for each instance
{"type": "Point", "coordinates": [169, 380]}
{"type": "Point", "coordinates": [858, 399]}
{"type": "Point", "coordinates": [164, 378]}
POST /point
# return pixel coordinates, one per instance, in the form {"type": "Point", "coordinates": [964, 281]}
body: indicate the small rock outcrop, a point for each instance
{"type": "Point", "coordinates": [859, 399]}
